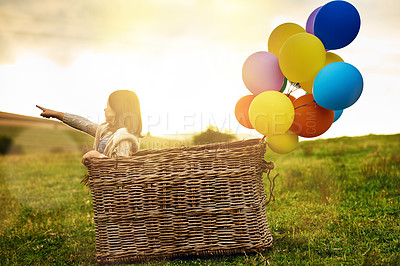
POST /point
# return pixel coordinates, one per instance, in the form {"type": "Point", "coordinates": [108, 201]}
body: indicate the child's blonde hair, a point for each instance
{"type": "Point", "coordinates": [126, 106]}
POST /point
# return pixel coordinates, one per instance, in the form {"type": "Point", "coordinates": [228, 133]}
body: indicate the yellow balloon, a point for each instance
{"type": "Point", "coordinates": [330, 58]}
{"type": "Point", "coordinates": [301, 57]}
{"type": "Point", "coordinates": [271, 113]}
{"type": "Point", "coordinates": [284, 143]}
{"type": "Point", "coordinates": [307, 85]}
{"type": "Point", "coordinates": [280, 34]}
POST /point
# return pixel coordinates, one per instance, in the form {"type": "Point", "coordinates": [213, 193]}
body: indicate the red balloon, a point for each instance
{"type": "Point", "coordinates": [291, 97]}
{"type": "Point", "coordinates": [242, 111]}
{"type": "Point", "coordinates": [310, 119]}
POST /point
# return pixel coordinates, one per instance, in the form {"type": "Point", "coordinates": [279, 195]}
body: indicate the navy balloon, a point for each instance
{"type": "Point", "coordinates": [337, 86]}
{"type": "Point", "coordinates": [337, 24]}
{"type": "Point", "coordinates": [338, 113]}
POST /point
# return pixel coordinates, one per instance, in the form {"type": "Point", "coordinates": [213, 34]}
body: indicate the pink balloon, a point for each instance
{"type": "Point", "coordinates": [310, 21]}
{"type": "Point", "coordinates": [261, 72]}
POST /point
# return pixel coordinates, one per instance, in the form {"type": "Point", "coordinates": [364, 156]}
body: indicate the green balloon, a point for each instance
{"type": "Point", "coordinates": [284, 85]}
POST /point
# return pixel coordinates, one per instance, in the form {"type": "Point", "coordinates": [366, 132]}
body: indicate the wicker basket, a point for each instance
{"type": "Point", "coordinates": [201, 200]}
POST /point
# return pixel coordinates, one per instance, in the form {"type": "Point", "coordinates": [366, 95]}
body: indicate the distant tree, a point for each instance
{"type": "Point", "coordinates": [5, 144]}
{"type": "Point", "coordinates": [212, 135]}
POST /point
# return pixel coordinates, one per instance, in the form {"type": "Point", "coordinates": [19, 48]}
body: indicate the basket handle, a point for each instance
{"type": "Point", "coordinates": [267, 167]}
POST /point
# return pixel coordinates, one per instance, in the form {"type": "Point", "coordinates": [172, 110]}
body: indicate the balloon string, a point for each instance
{"type": "Point", "coordinates": [294, 89]}
{"type": "Point", "coordinates": [290, 90]}
{"type": "Point", "coordinates": [307, 104]}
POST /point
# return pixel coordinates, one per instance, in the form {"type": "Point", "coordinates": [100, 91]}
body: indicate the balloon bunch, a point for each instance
{"type": "Point", "coordinates": [302, 58]}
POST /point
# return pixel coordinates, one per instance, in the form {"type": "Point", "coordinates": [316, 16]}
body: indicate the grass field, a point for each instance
{"type": "Point", "coordinates": [337, 202]}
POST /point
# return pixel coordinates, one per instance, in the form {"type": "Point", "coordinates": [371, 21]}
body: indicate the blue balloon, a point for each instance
{"type": "Point", "coordinates": [337, 24]}
{"type": "Point", "coordinates": [338, 113]}
{"type": "Point", "coordinates": [337, 86]}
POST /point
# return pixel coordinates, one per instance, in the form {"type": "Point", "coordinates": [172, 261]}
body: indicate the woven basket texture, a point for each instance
{"type": "Point", "coordinates": [201, 200]}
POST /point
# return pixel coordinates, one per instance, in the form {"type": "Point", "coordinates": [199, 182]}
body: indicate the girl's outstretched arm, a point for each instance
{"type": "Point", "coordinates": [48, 113]}
{"type": "Point", "coordinates": [75, 121]}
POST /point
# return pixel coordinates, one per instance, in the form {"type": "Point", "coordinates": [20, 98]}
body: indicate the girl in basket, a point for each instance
{"type": "Point", "coordinates": [118, 136]}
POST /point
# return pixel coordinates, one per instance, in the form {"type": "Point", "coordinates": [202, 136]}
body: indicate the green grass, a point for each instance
{"type": "Point", "coordinates": [46, 215]}
{"type": "Point", "coordinates": [62, 139]}
{"type": "Point", "coordinates": [337, 202]}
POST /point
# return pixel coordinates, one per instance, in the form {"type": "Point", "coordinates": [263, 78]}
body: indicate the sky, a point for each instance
{"type": "Point", "coordinates": [183, 58]}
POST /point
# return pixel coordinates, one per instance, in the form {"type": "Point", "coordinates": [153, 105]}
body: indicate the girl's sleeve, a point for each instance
{"type": "Point", "coordinates": [80, 123]}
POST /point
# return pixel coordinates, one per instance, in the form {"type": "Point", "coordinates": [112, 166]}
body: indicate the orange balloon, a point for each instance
{"type": "Point", "coordinates": [291, 97]}
{"type": "Point", "coordinates": [310, 119]}
{"type": "Point", "coordinates": [242, 111]}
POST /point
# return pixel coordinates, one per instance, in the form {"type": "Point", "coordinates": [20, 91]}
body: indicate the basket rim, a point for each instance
{"type": "Point", "coordinates": [204, 147]}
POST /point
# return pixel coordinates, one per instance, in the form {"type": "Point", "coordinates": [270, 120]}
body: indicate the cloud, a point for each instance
{"type": "Point", "coordinates": [63, 30]}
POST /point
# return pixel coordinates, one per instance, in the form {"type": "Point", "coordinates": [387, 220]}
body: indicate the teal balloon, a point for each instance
{"type": "Point", "coordinates": [338, 113]}
{"type": "Point", "coordinates": [338, 86]}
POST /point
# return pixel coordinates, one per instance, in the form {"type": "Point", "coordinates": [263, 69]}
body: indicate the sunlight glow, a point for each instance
{"type": "Point", "coordinates": [185, 66]}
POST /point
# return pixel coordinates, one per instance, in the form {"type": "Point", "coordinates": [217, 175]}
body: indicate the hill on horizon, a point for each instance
{"type": "Point", "coordinates": [33, 134]}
